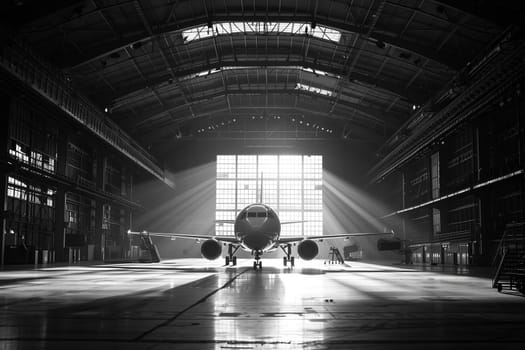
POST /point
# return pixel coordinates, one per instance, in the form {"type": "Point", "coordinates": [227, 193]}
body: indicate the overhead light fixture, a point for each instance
{"type": "Point", "coordinates": [136, 45]}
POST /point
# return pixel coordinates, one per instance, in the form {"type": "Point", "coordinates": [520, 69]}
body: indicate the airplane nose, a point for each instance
{"type": "Point", "coordinates": [256, 222]}
{"type": "Point", "coordinates": [257, 241]}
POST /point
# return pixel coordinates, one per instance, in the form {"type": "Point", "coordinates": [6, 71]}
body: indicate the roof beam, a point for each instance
{"type": "Point", "coordinates": [375, 18]}
{"type": "Point", "coordinates": [370, 115]}
{"type": "Point", "coordinates": [157, 39]}
{"type": "Point", "coordinates": [162, 29]}
{"type": "Point", "coordinates": [393, 88]}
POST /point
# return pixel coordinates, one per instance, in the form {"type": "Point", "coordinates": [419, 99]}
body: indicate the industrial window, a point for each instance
{"type": "Point", "coordinates": [434, 160]}
{"type": "Point", "coordinates": [291, 185]}
{"type": "Point", "coordinates": [314, 89]}
{"type": "Point", "coordinates": [436, 220]}
{"type": "Point", "coordinates": [34, 158]}
{"type": "Point", "coordinates": [31, 212]}
{"type": "Point", "coordinates": [225, 28]}
{"type": "Point", "coordinates": [33, 194]}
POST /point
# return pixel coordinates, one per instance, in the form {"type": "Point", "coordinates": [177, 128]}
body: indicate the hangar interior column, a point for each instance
{"type": "Point", "coordinates": [4, 139]}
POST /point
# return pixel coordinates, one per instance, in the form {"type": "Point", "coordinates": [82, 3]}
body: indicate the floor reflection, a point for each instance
{"type": "Point", "coordinates": [269, 307]}
{"type": "Point", "coordinates": [196, 304]}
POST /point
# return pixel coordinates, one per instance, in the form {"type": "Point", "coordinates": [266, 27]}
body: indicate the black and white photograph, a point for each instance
{"type": "Point", "coordinates": [262, 174]}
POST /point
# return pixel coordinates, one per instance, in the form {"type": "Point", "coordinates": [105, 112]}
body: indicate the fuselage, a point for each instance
{"type": "Point", "coordinates": [257, 227]}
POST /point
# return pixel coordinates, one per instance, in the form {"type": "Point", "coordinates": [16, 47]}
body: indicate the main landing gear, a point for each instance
{"type": "Point", "coordinates": [287, 249]}
{"type": "Point", "coordinates": [257, 264]}
{"type": "Point", "coordinates": [231, 255]}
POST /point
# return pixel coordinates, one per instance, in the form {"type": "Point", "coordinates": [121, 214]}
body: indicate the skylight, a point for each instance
{"type": "Point", "coordinates": [317, 90]}
{"type": "Point", "coordinates": [319, 72]}
{"type": "Point", "coordinates": [223, 28]}
{"type": "Point", "coordinates": [215, 70]}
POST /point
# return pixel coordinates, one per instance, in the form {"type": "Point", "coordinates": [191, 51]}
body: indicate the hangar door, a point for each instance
{"type": "Point", "coordinates": [291, 184]}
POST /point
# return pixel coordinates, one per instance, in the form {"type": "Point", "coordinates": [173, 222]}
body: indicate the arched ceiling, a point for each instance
{"type": "Point", "coordinates": [135, 58]}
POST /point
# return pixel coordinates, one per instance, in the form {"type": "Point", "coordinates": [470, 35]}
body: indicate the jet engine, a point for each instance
{"type": "Point", "coordinates": [211, 249]}
{"type": "Point", "coordinates": [307, 249]}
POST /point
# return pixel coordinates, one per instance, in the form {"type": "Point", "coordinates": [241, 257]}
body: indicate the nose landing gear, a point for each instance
{"type": "Point", "coordinates": [257, 264]}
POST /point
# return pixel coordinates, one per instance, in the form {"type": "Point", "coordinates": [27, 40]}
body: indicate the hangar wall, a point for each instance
{"type": "Point", "coordinates": [65, 195]}
{"type": "Point", "coordinates": [460, 195]}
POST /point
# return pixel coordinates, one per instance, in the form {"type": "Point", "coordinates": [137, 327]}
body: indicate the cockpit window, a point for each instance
{"type": "Point", "coordinates": [252, 215]}
{"type": "Point", "coordinates": [261, 214]}
{"type": "Point", "coordinates": [270, 215]}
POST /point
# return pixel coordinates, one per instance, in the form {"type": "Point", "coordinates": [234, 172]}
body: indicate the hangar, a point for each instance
{"type": "Point", "coordinates": [126, 118]}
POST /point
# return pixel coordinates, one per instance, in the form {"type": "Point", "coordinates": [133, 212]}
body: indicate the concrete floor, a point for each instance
{"type": "Point", "coordinates": [198, 304]}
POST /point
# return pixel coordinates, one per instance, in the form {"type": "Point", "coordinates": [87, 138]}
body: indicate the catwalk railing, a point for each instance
{"type": "Point", "coordinates": [502, 68]}
{"type": "Point", "coordinates": [509, 261]}
{"type": "Point", "coordinates": [19, 61]}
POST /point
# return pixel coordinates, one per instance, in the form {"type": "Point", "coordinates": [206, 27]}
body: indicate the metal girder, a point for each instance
{"type": "Point", "coordinates": [500, 72]}
{"type": "Point", "coordinates": [393, 88]}
{"type": "Point", "coordinates": [181, 24]}
{"type": "Point", "coordinates": [377, 116]}
{"type": "Point", "coordinates": [155, 38]}
{"type": "Point", "coordinates": [242, 130]}
{"type": "Point", "coordinates": [375, 18]}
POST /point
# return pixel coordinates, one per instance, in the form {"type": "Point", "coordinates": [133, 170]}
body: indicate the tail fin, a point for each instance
{"type": "Point", "coordinates": [260, 194]}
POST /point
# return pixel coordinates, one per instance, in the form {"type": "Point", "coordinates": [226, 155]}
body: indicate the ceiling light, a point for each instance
{"type": "Point", "coordinates": [136, 45]}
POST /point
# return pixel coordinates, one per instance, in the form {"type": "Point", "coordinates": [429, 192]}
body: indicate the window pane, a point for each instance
{"type": "Point", "coordinates": [291, 185]}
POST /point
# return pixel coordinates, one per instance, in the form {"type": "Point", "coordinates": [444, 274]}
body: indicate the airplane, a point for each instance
{"type": "Point", "coordinates": [257, 229]}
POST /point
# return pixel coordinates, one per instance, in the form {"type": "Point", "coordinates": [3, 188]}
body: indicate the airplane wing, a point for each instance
{"type": "Point", "coordinates": [228, 239]}
{"type": "Point", "coordinates": [286, 240]}
{"type": "Point", "coordinates": [291, 222]}
{"type": "Point", "coordinates": [225, 222]}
